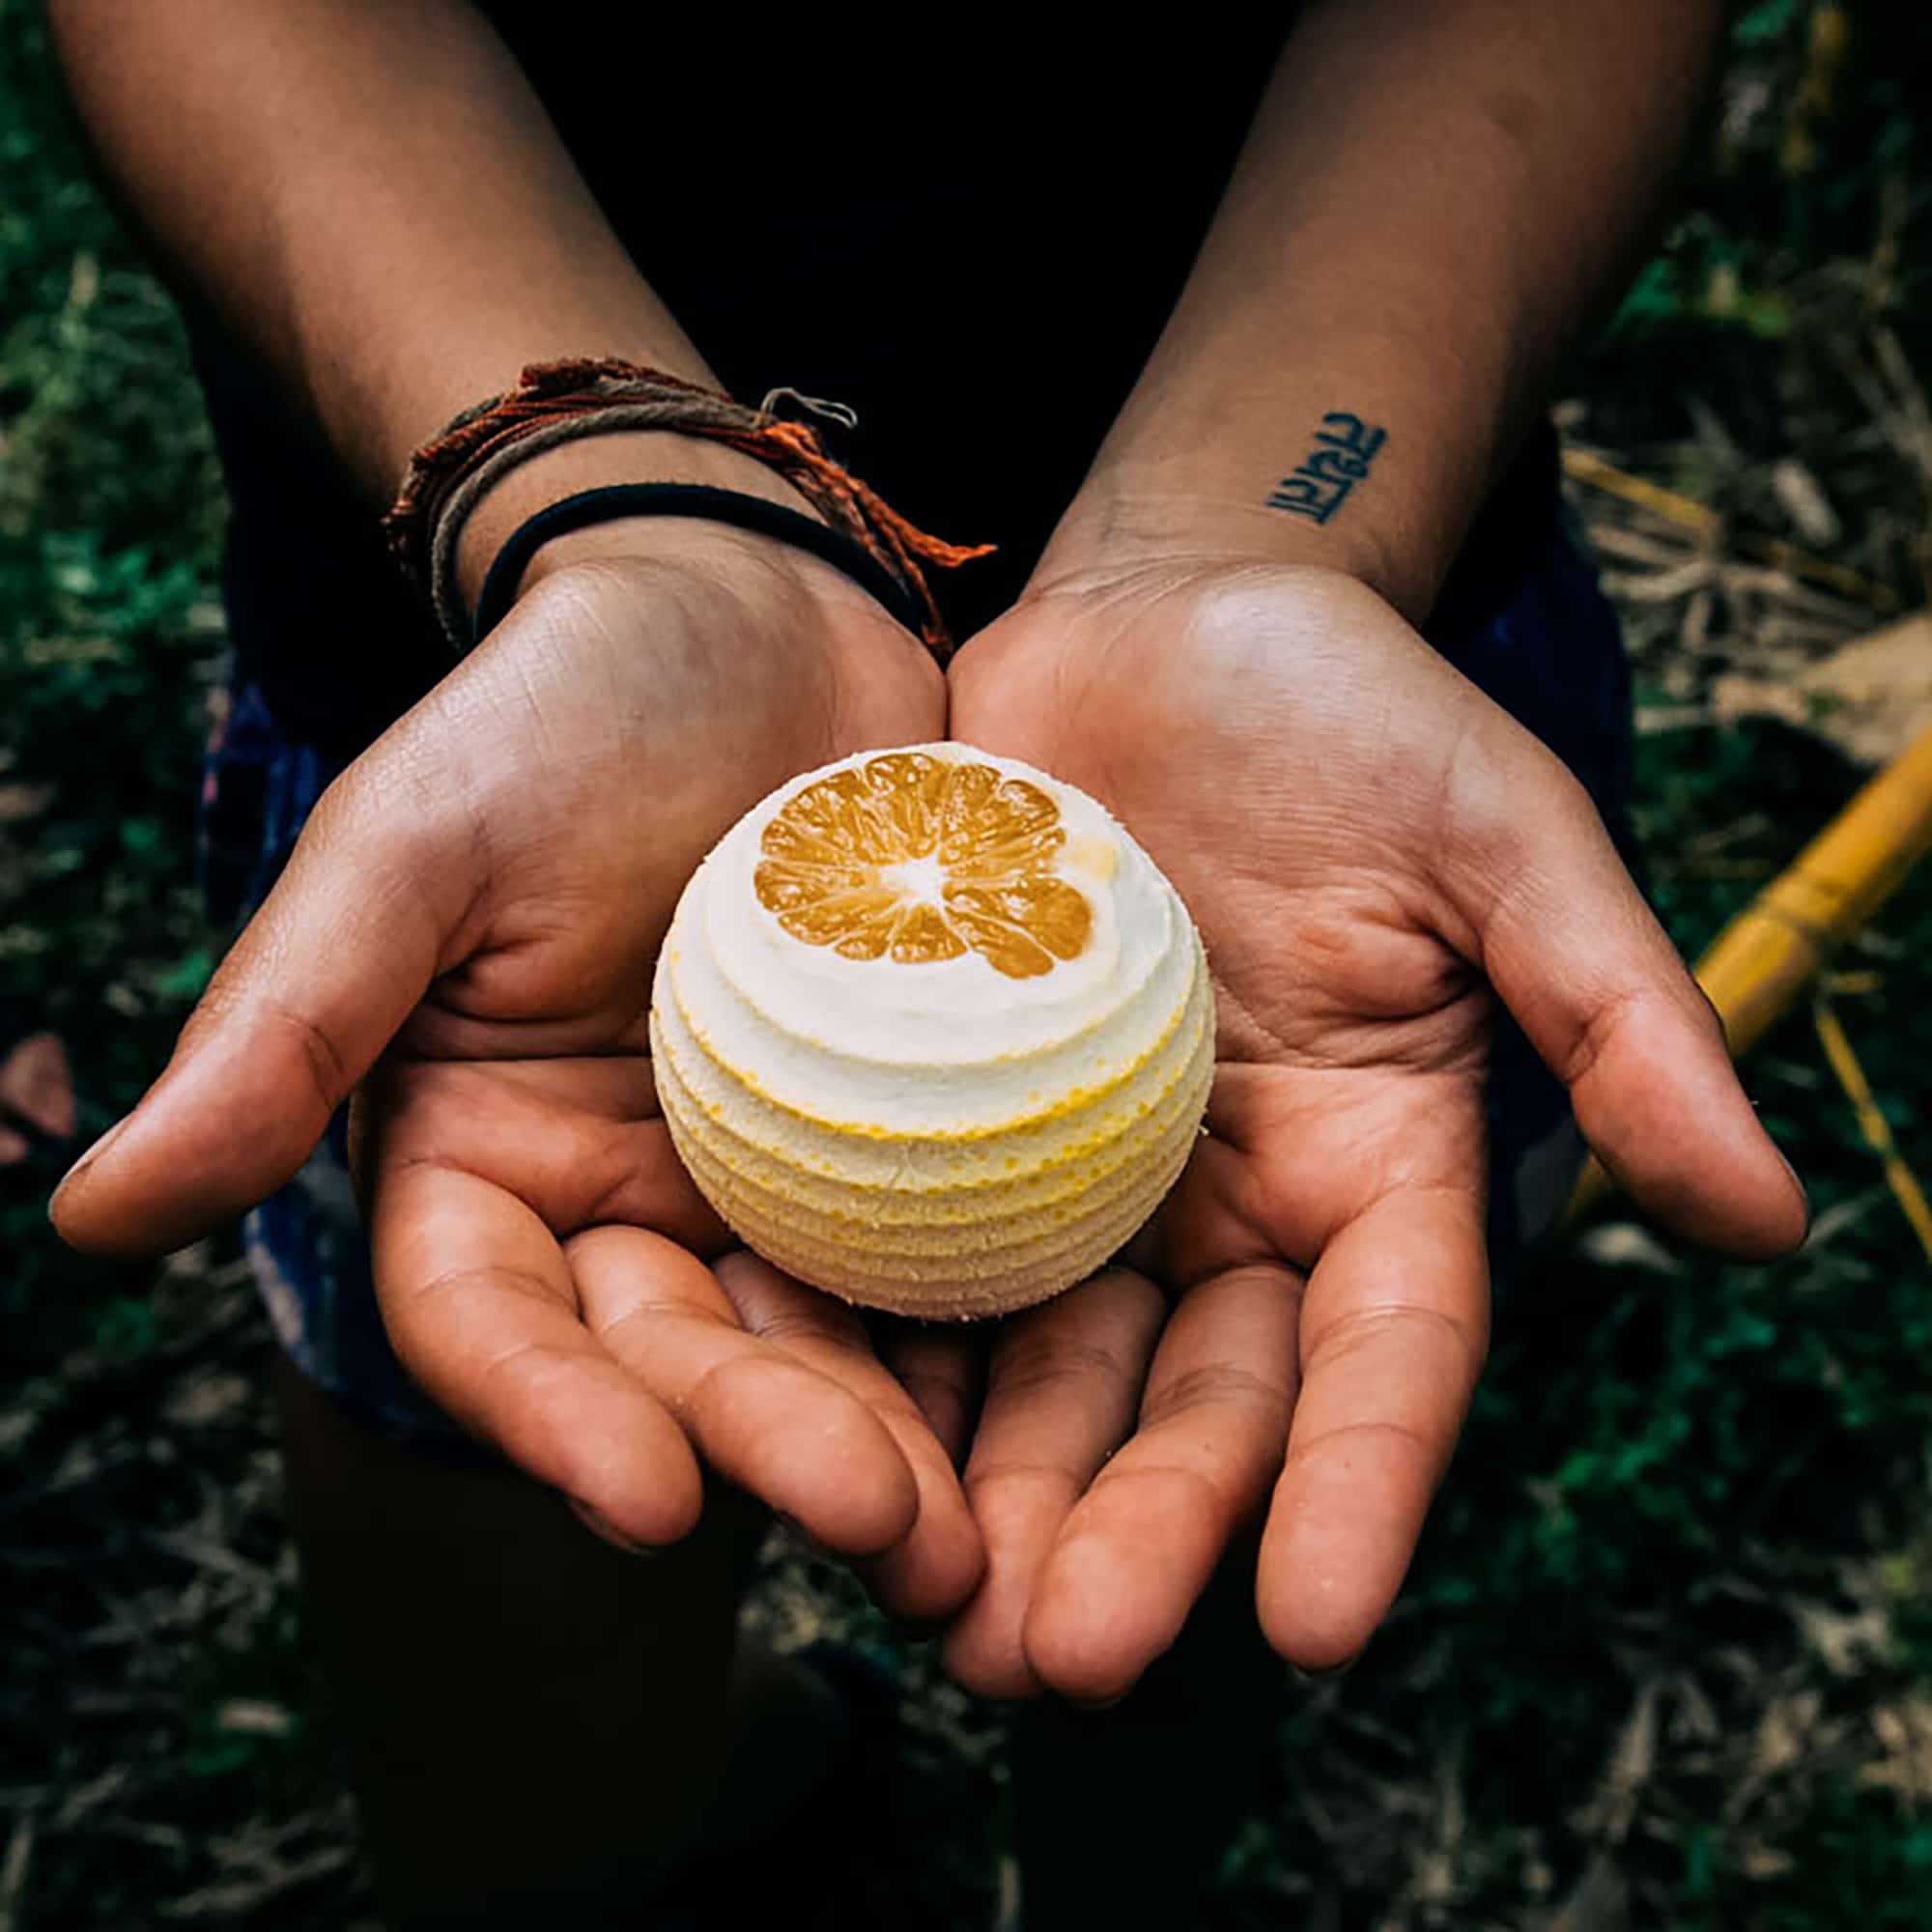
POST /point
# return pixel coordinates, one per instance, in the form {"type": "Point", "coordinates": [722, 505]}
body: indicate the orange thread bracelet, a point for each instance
{"type": "Point", "coordinates": [559, 402]}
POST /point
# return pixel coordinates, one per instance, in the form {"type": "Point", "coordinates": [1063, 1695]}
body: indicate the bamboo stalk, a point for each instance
{"type": "Point", "coordinates": [1872, 1122]}
{"type": "Point", "coordinates": [1707, 526]}
{"type": "Point", "coordinates": [1585, 466]}
{"type": "Point", "coordinates": [1763, 960]}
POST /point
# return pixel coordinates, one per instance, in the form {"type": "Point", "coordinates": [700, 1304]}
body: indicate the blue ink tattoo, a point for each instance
{"type": "Point", "coordinates": [1344, 448]}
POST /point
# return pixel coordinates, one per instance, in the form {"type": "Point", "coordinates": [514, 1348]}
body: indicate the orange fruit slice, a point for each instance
{"type": "Point", "coordinates": [917, 859]}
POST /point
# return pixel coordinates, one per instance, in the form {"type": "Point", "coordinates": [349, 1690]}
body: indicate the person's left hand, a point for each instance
{"type": "Point", "coordinates": [1369, 845]}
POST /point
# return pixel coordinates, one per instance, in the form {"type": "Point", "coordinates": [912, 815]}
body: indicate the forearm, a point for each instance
{"type": "Point", "coordinates": [1435, 200]}
{"type": "Point", "coordinates": [369, 197]}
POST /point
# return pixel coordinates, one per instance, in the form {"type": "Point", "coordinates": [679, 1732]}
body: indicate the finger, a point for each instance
{"type": "Point", "coordinates": [1139, 1547]}
{"type": "Point", "coordinates": [930, 1571]}
{"type": "Point", "coordinates": [1394, 1327]}
{"type": "Point", "coordinates": [1062, 1392]}
{"type": "Point", "coordinates": [326, 971]}
{"type": "Point", "coordinates": [1593, 980]}
{"type": "Point", "coordinates": [481, 1310]}
{"type": "Point", "coordinates": [758, 1415]}
{"type": "Point", "coordinates": [943, 1370]}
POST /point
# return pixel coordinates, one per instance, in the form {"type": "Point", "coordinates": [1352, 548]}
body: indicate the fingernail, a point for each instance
{"type": "Point", "coordinates": [601, 1526]}
{"type": "Point", "coordinates": [1797, 1181]}
{"type": "Point", "coordinates": [86, 1159]}
{"type": "Point", "coordinates": [1328, 1673]}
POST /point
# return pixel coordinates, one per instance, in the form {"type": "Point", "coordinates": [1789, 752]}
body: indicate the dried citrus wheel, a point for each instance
{"type": "Point", "coordinates": [918, 859]}
{"type": "Point", "coordinates": [931, 1032]}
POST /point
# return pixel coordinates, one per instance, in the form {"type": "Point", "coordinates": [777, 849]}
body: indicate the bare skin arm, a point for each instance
{"type": "Point", "coordinates": [1434, 203]}
{"type": "Point", "coordinates": [374, 203]}
{"type": "Point", "coordinates": [369, 197]}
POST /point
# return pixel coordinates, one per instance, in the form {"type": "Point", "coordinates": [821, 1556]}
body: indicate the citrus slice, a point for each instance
{"type": "Point", "coordinates": [918, 859]}
{"type": "Point", "coordinates": [931, 1032]}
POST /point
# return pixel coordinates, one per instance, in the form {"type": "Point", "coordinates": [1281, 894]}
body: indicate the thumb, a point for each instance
{"type": "Point", "coordinates": [339, 954]}
{"type": "Point", "coordinates": [1593, 980]}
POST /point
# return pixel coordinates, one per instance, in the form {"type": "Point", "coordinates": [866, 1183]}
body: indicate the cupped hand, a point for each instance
{"type": "Point", "coordinates": [1373, 849]}
{"type": "Point", "coordinates": [466, 932]}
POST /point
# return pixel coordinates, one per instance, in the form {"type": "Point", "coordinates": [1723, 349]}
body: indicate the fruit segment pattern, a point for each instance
{"type": "Point", "coordinates": [845, 860]}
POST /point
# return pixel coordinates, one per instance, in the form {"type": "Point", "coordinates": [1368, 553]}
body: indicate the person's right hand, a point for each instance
{"type": "Point", "coordinates": [467, 933]}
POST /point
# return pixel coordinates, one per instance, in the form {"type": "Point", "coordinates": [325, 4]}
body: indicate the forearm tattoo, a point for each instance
{"type": "Point", "coordinates": [1345, 446]}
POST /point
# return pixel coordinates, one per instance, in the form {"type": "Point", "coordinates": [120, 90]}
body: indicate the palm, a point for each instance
{"type": "Point", "coordinates": [1365, 841]}
{"type": "Point", "coordinates": [475, 909]}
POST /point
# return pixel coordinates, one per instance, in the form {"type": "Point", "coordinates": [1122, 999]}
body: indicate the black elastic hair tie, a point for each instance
{"type": "Point", "coordinates": [684, 500]}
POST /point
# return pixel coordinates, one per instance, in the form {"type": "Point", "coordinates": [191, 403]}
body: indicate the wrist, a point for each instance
{"type": "Point", "coordinates": [1127, 518]}
{"type": "Point", "coordinates": [631, 456]}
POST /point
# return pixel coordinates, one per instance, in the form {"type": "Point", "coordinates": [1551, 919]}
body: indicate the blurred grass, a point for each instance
{"type": "Point", "coordinates": [1667, 1651]}
{"type": "Point", "coordinates": [110, 518]}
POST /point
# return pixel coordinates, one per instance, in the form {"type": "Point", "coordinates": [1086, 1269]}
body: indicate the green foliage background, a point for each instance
{"type": "Point", "coordinates": [1690, 1519]}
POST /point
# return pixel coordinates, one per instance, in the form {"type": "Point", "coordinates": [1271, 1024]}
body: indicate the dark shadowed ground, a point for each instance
{"type": "Point", "coordinates": [1667, 1657]}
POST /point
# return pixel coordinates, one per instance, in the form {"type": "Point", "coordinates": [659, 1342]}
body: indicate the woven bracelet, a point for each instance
{"type": "Point", "coordinates": [560, 402]}
{"type": "Point", "coordinates": [745, 512]}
